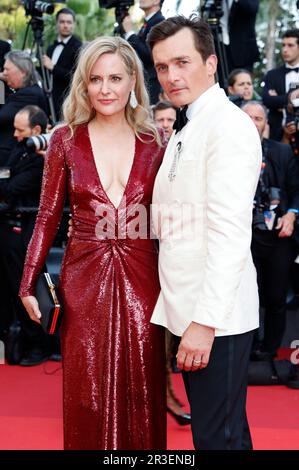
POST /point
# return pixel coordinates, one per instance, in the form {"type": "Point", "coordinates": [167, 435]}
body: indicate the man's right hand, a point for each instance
{"type": "Point", "coordinates": [195, 347]}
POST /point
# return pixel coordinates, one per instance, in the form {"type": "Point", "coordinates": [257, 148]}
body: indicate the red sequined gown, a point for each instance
{"type": "Point", "coordinates": [113, 358]}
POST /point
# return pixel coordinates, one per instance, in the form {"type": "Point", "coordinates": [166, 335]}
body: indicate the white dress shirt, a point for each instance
{"type": "Point", "coordinates": [58, 49]}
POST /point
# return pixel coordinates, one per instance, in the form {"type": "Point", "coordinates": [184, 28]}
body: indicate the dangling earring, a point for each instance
{"type": "Point", "coordinates": [133, 100]}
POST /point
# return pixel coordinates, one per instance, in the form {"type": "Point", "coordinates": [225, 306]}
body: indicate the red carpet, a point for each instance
{"type": "Point", "coordinates": [31, 412]}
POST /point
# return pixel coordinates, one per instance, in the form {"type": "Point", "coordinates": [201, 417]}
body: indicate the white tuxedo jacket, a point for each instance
{"type": "Point", "coordinates": [203, 221]}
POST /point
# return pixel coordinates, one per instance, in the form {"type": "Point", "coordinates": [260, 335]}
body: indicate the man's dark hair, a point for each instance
{"type": "Point", "coordinates": [292, 33]}
{"type": "Point", "coordinates": [203, 38]}
{"type": "Point", "coordinates": [36, 117]}
{"type": "Point", "coordinates": [233, 74]}
{"type": "Point", "coordinates": [66, 11]}
{"type": "Point", "coordinates": [162, 105]}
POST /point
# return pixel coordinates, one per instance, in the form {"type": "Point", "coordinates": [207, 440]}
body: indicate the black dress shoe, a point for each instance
{"type": "Point", "coordinates": [182, 419]}
{"type": "Point", "coordinates": [33, 359]}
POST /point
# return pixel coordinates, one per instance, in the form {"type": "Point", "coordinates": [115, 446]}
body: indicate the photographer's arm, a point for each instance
{"type": "Point", "coordinates": [49, 214]}
{"type": "Point", "coordinates": [21, 183]}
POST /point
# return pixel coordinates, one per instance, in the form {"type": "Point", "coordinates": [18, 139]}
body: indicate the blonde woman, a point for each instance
{"type": "Point", "coordinates": [106, 157]}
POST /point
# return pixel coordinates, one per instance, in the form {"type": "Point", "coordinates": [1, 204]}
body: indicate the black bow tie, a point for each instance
{"type": "Point", "coordinates": [59, 43]}
{"type": "Point", "coordinates": [181, 119]}
{"type": "Point", "coordinates": [289, 69]}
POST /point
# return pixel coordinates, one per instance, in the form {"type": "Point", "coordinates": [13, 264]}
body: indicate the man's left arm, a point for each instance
{"type": "Point", "coordinates": [233, 165]}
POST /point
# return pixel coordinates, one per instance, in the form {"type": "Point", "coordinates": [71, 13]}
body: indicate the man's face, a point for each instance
{"type": "Point", "coordinates": [290, 51]}
{"type": "Point", "coordinates": [22, 127]}
{"type": "Point", "coordinates": [165, 118]}
{"type": "Point", "coordinates": [257, 115]}
{"type": "Point", "coordinates": [65, 25]}
{"type": "Point", "coordinates": [181, 71]}
{"type": "Point", "coordinates": [13, 76]}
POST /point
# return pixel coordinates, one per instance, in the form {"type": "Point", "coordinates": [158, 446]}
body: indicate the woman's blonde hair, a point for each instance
{"type": "Point", "coordinates": [77, 108]}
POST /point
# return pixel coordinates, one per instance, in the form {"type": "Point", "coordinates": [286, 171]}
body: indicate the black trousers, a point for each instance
{"type": "Point", "coordinates": [217, 396]}
{"type": "Point", "coordinates": [272, 258]}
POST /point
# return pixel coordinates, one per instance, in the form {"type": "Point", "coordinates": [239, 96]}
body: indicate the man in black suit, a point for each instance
{"type": "Point", "coordinates": [61, 57]}
{"type": "Point", "coordinates": [278, 81]}
{"type": "Point", "coordinates": [153, 16]}
{"type": "Point", "coordinates": [19, 74]}
{"type": "Point", "coordinates": [272, 229]}
{"type": "Point", "coordinates": [21, 190]}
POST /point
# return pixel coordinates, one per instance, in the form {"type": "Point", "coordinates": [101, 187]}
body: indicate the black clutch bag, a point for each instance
{"type": "Point", "coordinates": [49, 304]}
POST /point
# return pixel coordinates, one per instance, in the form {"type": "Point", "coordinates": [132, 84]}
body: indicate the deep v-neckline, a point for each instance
{"type": "Point", "coordinates": [99, 176]}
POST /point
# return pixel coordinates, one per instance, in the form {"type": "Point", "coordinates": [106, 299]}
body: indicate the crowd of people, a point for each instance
{"type": "Point", "coordinates": [184, 199]}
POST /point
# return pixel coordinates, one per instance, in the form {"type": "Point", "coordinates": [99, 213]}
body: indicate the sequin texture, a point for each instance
{"type": "Point", "coordinates": [113, 358]}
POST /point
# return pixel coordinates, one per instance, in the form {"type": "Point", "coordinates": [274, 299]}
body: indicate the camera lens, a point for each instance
{"type": "Point", "coordinates": [38, 142]}
{"type": "Point", "coordinates": [44, 7]}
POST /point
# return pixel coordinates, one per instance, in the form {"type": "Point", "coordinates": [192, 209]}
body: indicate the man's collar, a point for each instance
{"type": "Point", "coordinates": [194, 107]}
{"type": "Point", "coordinates": [64, 40]}
{"type": "Point", "coordinates": [148, 17]}
{"type": "Point", "coordinates": [287, 66]}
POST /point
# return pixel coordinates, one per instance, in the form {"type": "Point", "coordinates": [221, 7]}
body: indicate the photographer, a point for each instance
{"type": "Point", "coordinates": [21, 189]}
{"type": "Point", "coordinates": [153, 16]}
{"type": "Point", "coordinates": [278, 81]}
{"type": "Point", "coordinates": [275, 211]}
{"type": "Point", "coordinates": [20, 76]}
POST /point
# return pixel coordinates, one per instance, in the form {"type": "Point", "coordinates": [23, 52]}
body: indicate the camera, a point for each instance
{"type": "Point", "coordinates": [266, 209]}
{"type": "Point", "coordinates": [236, 99]}
{"type": "Point", "coordinates": [121, 11]}
{"type": "Point", "coordinates": [116, 3]}
{"type": "Point", "coordinates": [121, 7]}
{"type": "Point", "coordinates": [212, 10]}
{"type": "Point", "coordinates": [38, 142]}
{"type": "Point", "coordinates": [37, 7]}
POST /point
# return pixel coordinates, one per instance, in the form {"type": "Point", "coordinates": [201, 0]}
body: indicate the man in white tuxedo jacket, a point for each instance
{"type": "Point", "coordinates": [202, 214]}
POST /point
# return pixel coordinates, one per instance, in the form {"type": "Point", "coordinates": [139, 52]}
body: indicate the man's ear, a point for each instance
{"type": "Point", "coordinates": [211, 64]}
{"type": "Point", "coordinates": [36, 130]}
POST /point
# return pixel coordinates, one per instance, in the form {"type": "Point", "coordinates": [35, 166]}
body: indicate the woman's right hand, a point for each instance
{"type": "Point", "coordinates": [31, 305]}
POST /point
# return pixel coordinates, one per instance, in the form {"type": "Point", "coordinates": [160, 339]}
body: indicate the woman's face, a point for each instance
{"type": "Point", "coordinates": [109, 85]}
{"type": "Point", "coordinates": [13, 76]}
{"type": "Point", "coordinates": [242, 86]}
